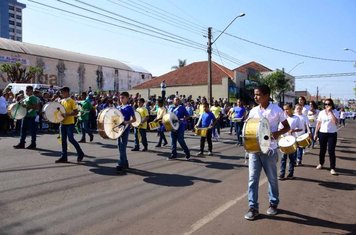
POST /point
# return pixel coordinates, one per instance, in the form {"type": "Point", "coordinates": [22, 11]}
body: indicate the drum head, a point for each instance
{"type": "Point", "coordinates": [110, 121]}
{"type": "Point", "coordinates": [303, 137]}
{"type": "Point", "coordinates": [138, 119]}
{"type": "Point", "coordinates": [286, 141]}
{"type": "Point", "coordinates": [17, 111]}
{"type": "Point", "coordinates": [174, 121]}
{"type": "Point", "coordinates": [264, 135]}
{"type": "Point", "coordinates": [53, 112]}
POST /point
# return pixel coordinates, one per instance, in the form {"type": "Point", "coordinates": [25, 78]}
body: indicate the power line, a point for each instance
{"type": "Point", "coordinates": [288, 52]}
{"type": "Point", "coordinates": [326, 75]}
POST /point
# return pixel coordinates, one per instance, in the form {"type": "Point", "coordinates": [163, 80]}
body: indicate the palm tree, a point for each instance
{"type": "Point", "coordinates": [181, 64]}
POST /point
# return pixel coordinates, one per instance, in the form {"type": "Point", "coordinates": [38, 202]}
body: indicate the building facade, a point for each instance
{"type": "Point", "coordinates": [11, 19]}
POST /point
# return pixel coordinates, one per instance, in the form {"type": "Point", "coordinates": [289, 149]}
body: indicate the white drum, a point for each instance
{"type": "Point", "coordinates": [16, 111]}
{"type": "Point", "coordinates": [138, 119]}
{"type": "Point", "coordinates": [257, 135]}
{"type": "Point", "coordinates": [170, 122]}
{"type": "Point", "coordinates": [287, 144]}
{"type": "Point", "coordinates": [53, 111]}
{"type": "Point", "coordinates": [110, 123]}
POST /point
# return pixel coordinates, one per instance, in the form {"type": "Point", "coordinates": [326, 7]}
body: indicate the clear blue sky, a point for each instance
{"type": "Point", "coordinates": [319, 28]}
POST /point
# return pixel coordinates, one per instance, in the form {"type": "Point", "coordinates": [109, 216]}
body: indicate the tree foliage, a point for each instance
{"type": "Point", "coordinates": [17, 73]}
{"type": "Point", "coordinates": [181, 64]}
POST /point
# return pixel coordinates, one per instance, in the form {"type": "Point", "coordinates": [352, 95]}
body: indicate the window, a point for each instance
{"type": "Point", "coordinates": [18, 38]}
{"type": "Point", "coordinates": [19, 17]}
{"type": "Point", "coordinates": [11, 22]}
{"type": "Point", "coordinates": [18, 31]}
{"type": "Point", "coordinates": [12, 30]}
{"type": "Point", "coordinates": [18, 9]}
{"type": "Point", "coordinates": [18, 24]}
{"type": "Point", "coordinates": [11, 8]}
{"type": "Point", "coordinates": [11, 15]}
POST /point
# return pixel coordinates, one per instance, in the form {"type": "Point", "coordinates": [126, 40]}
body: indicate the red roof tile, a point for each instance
{"type": "Point", "coordinates": [252, 65]}
{"type": "Point", "coordinates": [193, 74]}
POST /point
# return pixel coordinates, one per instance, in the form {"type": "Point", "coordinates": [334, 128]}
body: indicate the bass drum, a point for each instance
{"type": "Point", "coordinates": [109, 123]}
{"type": "Point", "coordinates": [52, 112]}
{"type": "Point", "coordinates": [257, 135]}
{"type": "Point", "coordinates": [287, 144]}
{"type": "Point", "coordinates": [170, 122]}
{"type": "Point", "coordinates": [138, 119]}
{"type": "Point", "coordinates": [16, 111]}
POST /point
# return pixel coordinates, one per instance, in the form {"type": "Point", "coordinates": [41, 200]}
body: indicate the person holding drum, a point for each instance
{"type": "Point", "coordinates": [182, 114]}
{"type": "Point", "coordinates": [67, 126]}
{"type": "Point", "coordinates": [305, 129]}
{"type": "Point", "coordinates": [160, 113]}
{"type": "Point", "coordinates": [129, 117]}
{"type": "Point", "coordinates": [206, 121]}
{"type": "Point", "coordinates": [31, 104]}
{"type": "Point", "coordinates": [312, 117]}
{"type": "Point", "coordinates": [295, 126]}
{"type": "Point", "coordinates": [85, 108]}
{"type": "Point", "coordinates": [326, 129]}
{"type": "Point", "coordinates": [141, 130]}
{"type": "Point", "coordinates": [274, 115]}
{"type": "Point", "coordinates": [238, 116]}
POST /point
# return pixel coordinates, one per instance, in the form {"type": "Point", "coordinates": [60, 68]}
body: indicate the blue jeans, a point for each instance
{"type": "Point", "coordinates": [300, 154]}
{"type": "Point", "coordinates": [162, 137]}
{"type": "Point", "coordinates": [143, 138]}
{"type": "Point", "coordinates": [257, 161]}
{"type": "Point", "coordinates": [238, 128]}
{"type": "Point", "coordinates": [28, 123]}
{"type": "Point", "coordinates": [68, 131]}
{"type": "Point", "coordinates": [312, 130]}
{"type": "Point", "coordinates": [122, 143]}
{"type": "Point", "coordinates": [284, 163]}
{"type": "Point", "coordinates": [178, 136]}
{"type": "Point", "coordinates": [84, 126]}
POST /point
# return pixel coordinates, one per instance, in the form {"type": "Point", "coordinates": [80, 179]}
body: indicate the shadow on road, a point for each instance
{"type": "Point", "coordinates": [329, 184]}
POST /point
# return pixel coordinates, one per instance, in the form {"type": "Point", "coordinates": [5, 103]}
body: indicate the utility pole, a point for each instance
{"type": "Point", "coordinates": [210, 95]}
{"type": "Point", "coordinates": [317, 95]}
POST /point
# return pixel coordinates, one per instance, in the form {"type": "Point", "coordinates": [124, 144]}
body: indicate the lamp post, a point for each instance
{"type": "Point", "coordinates": [295, 66]}
{"type": "Point", "coordinates": [349, 49]}
{"type": "Point", "coordinates": [209, 50]}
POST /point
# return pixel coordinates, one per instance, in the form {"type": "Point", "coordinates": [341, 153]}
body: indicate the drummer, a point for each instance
{"type": "Point", "coordinates": [129, 117]}
{"type": "Point", "coordinates": [274, 114]}
{"type": "Point", "coordinates": [206, 120]}
{"type": "Point", "coordinates": [295, 126]}
{"type": "Point", "coordinates": [31, 104]}
{"type": "Point", "coordinates": [67, 126]}
{"type": "Point", "coordinates": [239, 114]}
{"type": "Point", "coordinates": [141, 130]}
{"type": "Point", "coordinates": [178, 135]}
{"type": "Point", "coordinates": [305, 129]}
{"type": "Point", "coordinates": [162, 110]}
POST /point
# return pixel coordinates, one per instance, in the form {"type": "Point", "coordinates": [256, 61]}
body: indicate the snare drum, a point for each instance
{"type": "Point", "coordinates": [256, 134]}
{"type": "Point", "coordinates": [236, 119]}
{"type": "Point", "coordinates": [153, 125]}
{"type": "Point", "coordinates": [16, 111]}
{"type": "Point", "coordinates": [304, 140]}
{"type": "Point", "coordinates": [109, 123]}
{"type": "Point", "coordinates": [287, 144]}
{"type": "Point", "coordinates": [170, 122]}
{"type": "Point", "coordinates": [201, 131]}
{"type": "Point", "coordinates": [138, 119]}
{"type": "Point", "coordinates": [52, 112]}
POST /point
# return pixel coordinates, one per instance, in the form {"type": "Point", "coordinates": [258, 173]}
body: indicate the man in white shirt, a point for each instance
{"type": "Point", "coordinates": [163, 89]}
{"type": "Point", "coordinates": [275, 115]}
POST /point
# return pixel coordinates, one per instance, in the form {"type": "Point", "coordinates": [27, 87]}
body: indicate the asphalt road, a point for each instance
{"type": "Point", "coordinates": [206, 195]}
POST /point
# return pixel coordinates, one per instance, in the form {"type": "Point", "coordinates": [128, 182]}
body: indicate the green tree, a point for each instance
{"type": "Point", "coordinates": [181, 64]}
{"type": "Point", "coordinates": [278, 83]}
{"type": "Point", "coordinates": [17, 73]}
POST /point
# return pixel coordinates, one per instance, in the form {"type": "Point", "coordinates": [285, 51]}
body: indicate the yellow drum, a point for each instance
{"type": "Point", "coordinates": [109, 123]}
{"type": "Point", "coordinates": [201, 131]}
{"type": "Point", "coordinates": [153, 125]}
{"type": "Point", "coordinates": [256, 134]}
{"type": "Point", "coordinates": [170, 122]}
{"type": "Point", "coordinates": [287, 144]}
{"type": "Point", "coordinates": [304, 140]}
{"type": "Point", "coordinates": [16, 111]}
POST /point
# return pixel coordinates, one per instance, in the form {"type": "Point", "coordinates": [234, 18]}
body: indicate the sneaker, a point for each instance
{"type": "Point", "coordinates": [81, 141]}
{"type": "Point", "coordinates": [299, 163]}
{"type": "Point", "coordinates": [157, 145]}
{"type": "Point", "coordinates": [187, 156]}
{"type": "Point", "coordinates": [165, 144]}
{"type": "Point", "coordinates": [119, 168]}
{"type": "Point", "coordinates": [290, 177]}
{"type": "Point", "coordinates": [171, 157]}
{"type": "Point", "coordinates": [272, 210]}
{"type": "Point", "coordinates": [210, 153]}
{"type": "Point", "coordinates": [31, 146]}
{"type": "Point", "coordinates": [80, 157]}
{"type": "Point", "coordinates": [91, 138]}
{"type": "Point", "coordinates": [199, 154]}
{"type": "Point", "coordinates": [135, 149]}
{"type": "Point", "coordinates": [62, 160]}
{"type": "Point", "coordinates": [19, 146]}
{"type": "Point", "coordinates": [144, 150]}
{"type": "Point", "coordinates": [281, 177]}
{"type": "Point", "coordinates": [333, 172]}
{"type": "Point", "coordinates": [319, 167]}
{"type": "Point", "coordinates": [251, 214]}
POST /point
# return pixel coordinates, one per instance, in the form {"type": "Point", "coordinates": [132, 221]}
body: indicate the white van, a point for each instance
{"type": "Point", "coordinates": [16, 87]}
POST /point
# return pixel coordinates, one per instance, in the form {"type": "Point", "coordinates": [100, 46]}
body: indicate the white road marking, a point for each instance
{"type": "Point", "coordinates": [208, 218]}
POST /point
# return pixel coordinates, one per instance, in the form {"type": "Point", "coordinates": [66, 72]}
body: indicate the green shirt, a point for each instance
{"type": "Point", "coordinates": [31, 100]}
{"type": "Point", "coordinates": [85, 110]}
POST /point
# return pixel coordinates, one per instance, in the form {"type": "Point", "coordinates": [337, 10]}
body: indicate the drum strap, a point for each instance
{"type": "Point", "coordinates": [17, 109]}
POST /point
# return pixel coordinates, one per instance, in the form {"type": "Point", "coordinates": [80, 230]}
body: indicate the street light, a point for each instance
{"type": "Point", "coordinates": [296, 66]}
{"type": "Point", "coordinates": [209, 50]}
{"type": "Point", "coordinates": [349, 49]}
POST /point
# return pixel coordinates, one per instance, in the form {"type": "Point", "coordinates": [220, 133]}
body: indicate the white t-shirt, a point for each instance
{"type": "Point", "coordinates": [304, 122]}
{"type": "Point", "coordinates": [342, 115]}
{"type": "Point", "coordinates": [274, 115]}
{"type": "Point", "coordinates": [313, 117]}
{"type": "Point", "coordinates": [305, 109]}
{"type": "Point", "coordinates": [294, 123]}
{"type": "Point", "coordinates": [327, 125]}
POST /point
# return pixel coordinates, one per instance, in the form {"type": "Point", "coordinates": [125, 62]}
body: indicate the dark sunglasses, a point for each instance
{"type": "Point", "coordinates": [325, 104]}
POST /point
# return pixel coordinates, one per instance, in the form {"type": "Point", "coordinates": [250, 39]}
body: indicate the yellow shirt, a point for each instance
{"type": "Point", "coordinates": [69, 105]}
{"type": "Point", "coordinates": [216, 110]}
{"type": "Point", "coordinates": [144, 113]}
{"type": "Point", "coordinates": [161, 112]}
{"type": "Point", "coordinates": [201, 109]}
